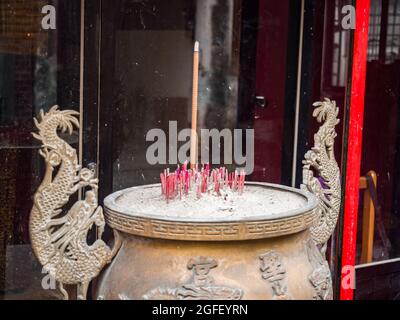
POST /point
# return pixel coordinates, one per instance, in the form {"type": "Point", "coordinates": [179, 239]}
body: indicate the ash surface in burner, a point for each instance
{"type": "Point", "coordinates": [255, 201]}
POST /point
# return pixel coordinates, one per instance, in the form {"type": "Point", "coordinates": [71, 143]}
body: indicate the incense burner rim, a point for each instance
{"type": "Point", "coordinates": [212, 228]}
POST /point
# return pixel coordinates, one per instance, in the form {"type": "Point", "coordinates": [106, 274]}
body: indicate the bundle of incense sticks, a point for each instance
{"type": "Point", "coordinates": [184, 180]}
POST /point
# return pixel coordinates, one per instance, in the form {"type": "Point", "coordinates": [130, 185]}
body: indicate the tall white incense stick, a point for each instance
{"type": "Point", "coordinates": [195, 93]}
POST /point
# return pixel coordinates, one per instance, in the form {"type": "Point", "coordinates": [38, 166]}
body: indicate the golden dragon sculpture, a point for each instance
{"type": "Point", "coordinates": [59, 240]}
{"type": "Point", "coordinates": [320, 160]}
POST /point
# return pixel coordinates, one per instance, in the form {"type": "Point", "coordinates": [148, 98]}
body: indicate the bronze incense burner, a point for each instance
{"type": "Point", "coordinates": [279, 256]}
{"type": "Point", "coordinates": [253, 258]}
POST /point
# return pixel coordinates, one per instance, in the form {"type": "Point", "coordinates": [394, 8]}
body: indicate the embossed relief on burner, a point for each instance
{"type": "Point", "coordinates": [200, 287]}
{"type": "Point", "coordinates": [320, 277]}
{"type": "Point", "coordinates": [274, 271]}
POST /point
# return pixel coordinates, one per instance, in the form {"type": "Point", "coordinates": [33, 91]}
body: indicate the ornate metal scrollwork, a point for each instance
{"type": "Point", "coordinates": [60, 240]}
{"type": "Point", "coordinates": [320, 160]}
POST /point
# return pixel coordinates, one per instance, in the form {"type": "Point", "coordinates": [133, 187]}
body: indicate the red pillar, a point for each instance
{"type": "Point", "coordinates": [354, 140]}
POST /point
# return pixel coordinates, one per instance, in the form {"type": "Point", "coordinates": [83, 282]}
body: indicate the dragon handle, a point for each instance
{"type": "Point", "coordinates": [321, 173]}
{"type": "Point", "coordinates": [58, 236]}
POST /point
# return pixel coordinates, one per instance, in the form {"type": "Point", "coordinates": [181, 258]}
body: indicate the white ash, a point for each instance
{"type": "Point", "coordinates": [255, 201]}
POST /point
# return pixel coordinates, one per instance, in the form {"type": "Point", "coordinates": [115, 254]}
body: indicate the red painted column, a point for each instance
{"type": "Point", "coordinates": [354, 141]}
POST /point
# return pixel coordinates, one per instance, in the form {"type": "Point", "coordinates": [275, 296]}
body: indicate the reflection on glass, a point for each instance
{"type": "Point", "coordinates": [37, 71]}
{"type": "Point", "coordinates": [153, 75]}
{"type": "Point", "coordinates": [243, 54]}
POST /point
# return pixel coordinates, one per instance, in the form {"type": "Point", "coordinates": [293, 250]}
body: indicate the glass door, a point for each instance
{"type": "Point", "coordinates": [39, 67]}
{"type": "Point", "coordinates": [247, 80]}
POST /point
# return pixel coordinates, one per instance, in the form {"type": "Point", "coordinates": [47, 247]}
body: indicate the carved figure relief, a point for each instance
{"type": "Point", "coordinates": [200, 287]}
{"type": "Point", "coordinates": [320, 277]}
{"type": "Point", "coordinates": [273, 270]}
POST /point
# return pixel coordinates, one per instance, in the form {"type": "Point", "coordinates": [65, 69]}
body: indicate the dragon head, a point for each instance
{"type": "Point", "coordinates": [48, 123]}
{"type": "Point", "coordinates": [326, 111]}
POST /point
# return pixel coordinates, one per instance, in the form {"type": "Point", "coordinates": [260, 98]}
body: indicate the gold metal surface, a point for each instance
{"type": "Point", "coordinates": [60, 240]}
{"type": "Point", "coordinates": [321, 174]}
{"type": "Point", "coordinates": [268, 259]}
{"type": "Point", "coordinates": [150, 268]}
{"type": "Point", "coordinates": [213, 228]}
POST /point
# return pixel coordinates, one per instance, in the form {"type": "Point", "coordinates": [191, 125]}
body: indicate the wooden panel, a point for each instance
{"type": "Point", "coordinates": [368, 220]}
{"type": "Point", "coordinates": [378, 281]}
